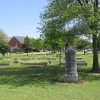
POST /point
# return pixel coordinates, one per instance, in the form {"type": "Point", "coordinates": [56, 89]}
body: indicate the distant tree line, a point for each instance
{"type": "Point", "coordinates": [47, 43]}
{"type": "Point", "coordinates": [3, 43]}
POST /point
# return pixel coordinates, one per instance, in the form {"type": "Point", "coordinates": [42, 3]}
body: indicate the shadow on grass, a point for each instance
{"type": "Point", "coordinates": [30, 75]}
{"type": "Point", "coordinates": [36, 75]}
{"type": "Point", "coordinates": [85, 74]}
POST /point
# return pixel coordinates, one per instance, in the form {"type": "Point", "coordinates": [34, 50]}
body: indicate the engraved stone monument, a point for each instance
{"type": "Point", "coordinates": [70, 66]}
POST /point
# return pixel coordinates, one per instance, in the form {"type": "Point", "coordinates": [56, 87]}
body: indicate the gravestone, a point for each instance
{"type": "Point", "coordinates": [70, 66]}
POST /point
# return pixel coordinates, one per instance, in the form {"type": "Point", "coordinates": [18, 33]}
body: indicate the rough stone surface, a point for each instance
{"type": "Point", "coordinates": [70, 66]}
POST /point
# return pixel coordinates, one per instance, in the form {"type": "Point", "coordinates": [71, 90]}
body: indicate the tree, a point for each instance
{"type": "Point", "coordinates": [53, 27]}
{"type": "Point", "coordinates": [55, 37]}
{"type": "Point", "coordinates": [27, 45]}
{"type": "Point", "coordinates": [65, 12]}
{"type": "Point", "coordinates": [3, 36]}
{"type": "Point", "coordinates": [3, 42]}
{"type": "Point", "coordinates": [91, 13]}
{"type": "Point", "coordinates": [3, 47]}
{"type": "Point", "coordinates": [82, 44]}
{"type": "Point", "coordinates": [53, 44]}
{"type": "Point", "coordinates": [37, 44]}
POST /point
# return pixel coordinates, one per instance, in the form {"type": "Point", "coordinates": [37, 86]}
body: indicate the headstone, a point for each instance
{"type": "Point", "coordinates": [70, 66]}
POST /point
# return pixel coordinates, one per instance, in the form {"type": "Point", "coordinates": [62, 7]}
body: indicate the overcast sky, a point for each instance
{"type": "Point", "coordinates": [21, 17]}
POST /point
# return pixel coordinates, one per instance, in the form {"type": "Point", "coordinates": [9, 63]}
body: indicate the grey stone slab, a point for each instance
{"type": "Point", "coordinates": [70, 66]}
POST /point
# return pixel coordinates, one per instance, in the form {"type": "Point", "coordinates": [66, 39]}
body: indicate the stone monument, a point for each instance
{"type": "Point", "coordinates": [70, 66]}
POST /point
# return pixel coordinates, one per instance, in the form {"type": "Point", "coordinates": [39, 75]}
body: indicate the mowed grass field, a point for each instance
{"type": "Point", "coordinates": [24, 82]}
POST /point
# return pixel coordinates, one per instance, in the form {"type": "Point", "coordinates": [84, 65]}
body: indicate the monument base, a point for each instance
{"type": "Point", "coordinates": [71, 78]}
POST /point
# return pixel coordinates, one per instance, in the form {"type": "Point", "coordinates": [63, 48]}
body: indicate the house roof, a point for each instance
{"type": "Point", "coordinates": [19, 38]}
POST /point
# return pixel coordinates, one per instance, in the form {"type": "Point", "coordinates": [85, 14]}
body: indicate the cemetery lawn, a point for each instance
{"type": "Point", "coordinates": [23, 82]}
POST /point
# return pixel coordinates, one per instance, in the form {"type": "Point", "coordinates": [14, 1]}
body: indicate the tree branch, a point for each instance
{"type": "Point", "coordinates": [79, 1]}
{"type": "Point", "coordinates": [86, 1]}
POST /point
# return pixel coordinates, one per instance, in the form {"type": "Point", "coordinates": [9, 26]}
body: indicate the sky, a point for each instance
{"type": "Point", "coordinates": [21, 17]}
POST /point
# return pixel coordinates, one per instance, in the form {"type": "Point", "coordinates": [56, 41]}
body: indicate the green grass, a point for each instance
{"type": "Point", "coordinates": [41, 83]}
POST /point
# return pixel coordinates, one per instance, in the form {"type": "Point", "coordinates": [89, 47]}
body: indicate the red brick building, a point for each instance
{"type": "Point", "coordinates": [15, 43]}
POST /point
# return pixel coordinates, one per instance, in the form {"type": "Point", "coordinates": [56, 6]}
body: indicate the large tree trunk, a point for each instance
{"type": "Point", "coordinates": [95, 67]}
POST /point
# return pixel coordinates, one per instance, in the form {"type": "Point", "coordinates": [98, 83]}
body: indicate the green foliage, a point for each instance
{"type": "Point", "coordinates": [37, 44]}
{"type": "Point", "coordinates": [60, 13]}
{"type": "Point", "coordinates": [82, 44]}
{"type": "Point", "coordinates": [3, 43]}
{"type": "Point", "coordinates": [3, 47]}
{"type": "Point", "coordinates": [54, 24]}
{"type": "Point", "coordinates": [52, 42]}
{"type": "Point", "coordinates": [27, 45]}
{"type": "Point", "coordinates": [3, 36]}
{"type": "Point", "coordinates": [90, 11]}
